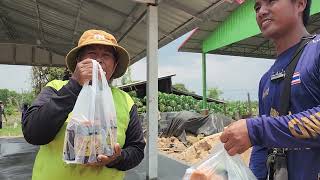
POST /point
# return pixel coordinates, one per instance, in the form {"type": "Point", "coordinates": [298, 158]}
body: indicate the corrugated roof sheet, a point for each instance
{"type": "Point", "coordinates": [55, 26]}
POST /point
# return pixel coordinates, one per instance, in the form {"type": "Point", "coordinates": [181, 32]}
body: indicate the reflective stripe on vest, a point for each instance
{"type": "Point", "coordinates": [49, 164]}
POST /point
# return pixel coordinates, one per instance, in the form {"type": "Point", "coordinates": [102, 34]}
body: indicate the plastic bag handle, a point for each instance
{"type": "Point", "coordinates": [95, 75]}
{"type": "Point", "coordinates": [105, 84]}
{"type": "Point", "coordinates": [106, 87]}
{"type": "Point", "coordinates": [94, 88]}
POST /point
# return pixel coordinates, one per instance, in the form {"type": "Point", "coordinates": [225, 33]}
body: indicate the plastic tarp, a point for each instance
{"type": "Point", "coordinates": [177, 123]}
{"type": "Point", "coordinates": [184, 120]}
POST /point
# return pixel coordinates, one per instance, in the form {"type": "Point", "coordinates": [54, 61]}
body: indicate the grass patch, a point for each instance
{"type": "Point", "coordinates": [10, 130]}
{"type": "Point", "coordinates": [12, 127]}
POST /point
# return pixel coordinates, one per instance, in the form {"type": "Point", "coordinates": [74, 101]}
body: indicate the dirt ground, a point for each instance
{"type": "Point", "coordinates": [198, 148]}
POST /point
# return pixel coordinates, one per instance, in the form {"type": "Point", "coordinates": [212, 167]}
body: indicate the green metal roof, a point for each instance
{"type": "Point", "coordinates": [239, 35]}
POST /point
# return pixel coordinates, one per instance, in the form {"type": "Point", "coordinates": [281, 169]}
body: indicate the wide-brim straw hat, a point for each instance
{"type": "Point", "coordinates": [99, 37]}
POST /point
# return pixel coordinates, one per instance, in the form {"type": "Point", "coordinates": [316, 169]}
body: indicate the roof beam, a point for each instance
{"type": "Point", "coordinates": [77, 22]}
{"type": "Point", "coordinates": [134, 22]}
{"type": "Point", "coordinates": [138, 41]}
{"type": "Point", "coordinates": [192, 22]}
{"type": "Point", "coordinates": [137, 21]}
{"type": "Point", "coordinates": [30, 56]}
{"type": "Point", "coordinates": [33, 17]}
{"type": "Point", "coordinates": [147, 1]}
{"type": "Point", "coordinates": [71, 16]}
{"type": "Point", "coordinates": [244, 54]}
{"type": "Point", "coordinates": [249, 48]}
{"type": "Point", "coordinates": [31, 29]}
{"type": "Point", "coordinates": [100, 5]}
{"type": "Point", "coordinates": [63, 41]}
{"type": "Point", "coordinates": [262, 44]}
{"type": "Point", "coordinates": [64, 28]}
{"type": "Point", "coordinates": [40, 29]}
{"type": "Point", "coordinates": [129, 19]}
{"type": "Point", "coordinates": [131, 22]}
{"type": "Point", "coordinates": [180, 6]}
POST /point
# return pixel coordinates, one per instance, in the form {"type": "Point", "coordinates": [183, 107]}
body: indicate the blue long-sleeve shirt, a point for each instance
{"type": "Point", "coordinates": [300, 129]}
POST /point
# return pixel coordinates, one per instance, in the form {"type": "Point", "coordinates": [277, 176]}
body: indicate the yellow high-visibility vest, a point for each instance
{"type": "Point", "coordinates": [49, 164]}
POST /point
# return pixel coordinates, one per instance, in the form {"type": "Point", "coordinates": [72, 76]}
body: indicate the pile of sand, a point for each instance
{"type": "Point", "coordinates": [198, 148]}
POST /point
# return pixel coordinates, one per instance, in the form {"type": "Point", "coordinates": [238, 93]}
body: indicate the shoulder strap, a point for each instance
{"type": "Point", "coordinates": [286, 91]}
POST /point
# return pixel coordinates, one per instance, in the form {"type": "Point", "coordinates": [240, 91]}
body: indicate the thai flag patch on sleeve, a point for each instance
{"type": "Point", "coordinates": [296, 78]}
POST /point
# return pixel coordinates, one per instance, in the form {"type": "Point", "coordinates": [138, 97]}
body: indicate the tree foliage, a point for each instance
{"type": "Point", "coordinates": [181, 87]}
{"type": "Point", "coordinates": [126, 78]}
{"type": "Point", "coordinates": [13, 101]}
{"type": "Point", "coordinates": [214, 93]}
{"type": "Point", "coordinates": [42, 75]}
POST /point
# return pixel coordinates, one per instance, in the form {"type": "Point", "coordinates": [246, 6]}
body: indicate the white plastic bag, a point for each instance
{"type": "Point", "coordinates": [220, 166]}
{"type": "Point", "coordinates": [92, 129]}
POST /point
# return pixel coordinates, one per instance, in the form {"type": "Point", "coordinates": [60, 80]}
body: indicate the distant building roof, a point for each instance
{"type": "Point", "coordinates": [196, 96]}
{"type": "Point", "coordinates": [165, 86]}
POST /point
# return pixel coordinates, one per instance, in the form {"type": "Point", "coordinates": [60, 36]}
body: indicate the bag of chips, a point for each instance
{"type": "Point", "coordinates": [92, 129]}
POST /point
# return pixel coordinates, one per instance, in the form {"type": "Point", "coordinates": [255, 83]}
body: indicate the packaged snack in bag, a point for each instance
{"type": "Point", "coordinates": [92, 129]}
{"type": "Point", "coordinates": [220, 166]}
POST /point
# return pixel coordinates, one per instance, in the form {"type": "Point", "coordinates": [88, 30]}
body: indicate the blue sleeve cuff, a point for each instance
{"type": "Point", "coordinates": [253, 125]}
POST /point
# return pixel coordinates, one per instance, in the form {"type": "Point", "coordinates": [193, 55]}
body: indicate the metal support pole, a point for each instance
{"type": "Point", "coordinates": [204, 82]}
{"type": "Point", "coordinates": [152, 92]}
{"type": "Point", "coordinates": [249, 105]}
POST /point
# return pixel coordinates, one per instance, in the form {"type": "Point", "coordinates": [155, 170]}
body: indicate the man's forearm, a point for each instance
{"type": "Point", "coordinates": [301, 130]}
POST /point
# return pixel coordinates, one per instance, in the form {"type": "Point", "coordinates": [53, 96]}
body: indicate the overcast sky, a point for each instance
{"type": "Point", "coordinates": [235, 76]}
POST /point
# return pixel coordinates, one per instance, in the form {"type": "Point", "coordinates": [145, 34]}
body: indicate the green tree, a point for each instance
{"type": "Point", "coordinates": [42, 75]}
{"type": "Point", "coordinates": [13, 101]}
{"type": "Point", "coordinates": [4, 93]}
{"type": "Point", "coordinates": [26, 97]}
{"type": "Point", "coordinates": [12, 98]}
{"type": "Point", "coordinates": [181, 87]}
{"type": "Point", "coordinates": [214, 93]}
{"type": "Point", "coordinates": [126, 78]}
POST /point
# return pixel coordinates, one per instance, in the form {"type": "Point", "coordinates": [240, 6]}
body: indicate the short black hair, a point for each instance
{"type": "Point", "coordinates": [306, 12]}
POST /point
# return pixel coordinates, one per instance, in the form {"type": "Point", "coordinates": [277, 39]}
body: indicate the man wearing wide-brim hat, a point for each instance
{"type": "Point", "coordinates": [45, 121]}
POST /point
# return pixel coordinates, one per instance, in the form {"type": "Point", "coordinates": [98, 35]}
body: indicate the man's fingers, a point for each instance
{"type": "Point", "coordinates": [86, 61]}
{"type": "Point", "coordinates": [224, 137]}
{"type": "Point", "coordinates": [85, 65]}
{"type": "Point", "coordinates": [228, 145]}
{"type": "Point", "coordinates": [103, 159]}
{"type": "Point", "coordinates": [117, 149]}
{"type": "Point", "coordinates": [233, 151]}
{"type": "Point", "coordinates": [85, 68]}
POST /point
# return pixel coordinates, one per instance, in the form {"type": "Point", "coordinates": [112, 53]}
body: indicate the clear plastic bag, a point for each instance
{"type": "Point", "coordinates": [220, 166]}
{"type": "Point", "coordinates": [92, 129]}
